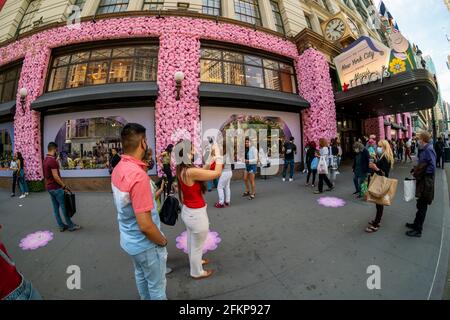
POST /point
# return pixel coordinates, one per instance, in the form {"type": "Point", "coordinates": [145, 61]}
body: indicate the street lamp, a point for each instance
{"type": "Point", "coordinates": [23, 97]}
{"type": "Point", "coordinates": [179, 77]}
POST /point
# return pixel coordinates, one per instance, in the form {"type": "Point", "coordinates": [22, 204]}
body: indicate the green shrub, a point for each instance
{"type": "Point", "coordinates": [36, 186]}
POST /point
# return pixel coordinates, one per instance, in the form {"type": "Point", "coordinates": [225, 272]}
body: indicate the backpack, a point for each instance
{"type": "Point", "coordinates": [169, 211]}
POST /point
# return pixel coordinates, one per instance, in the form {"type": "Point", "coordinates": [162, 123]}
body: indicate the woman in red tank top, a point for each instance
{"type": "Point", "coordinates": [191, 190]}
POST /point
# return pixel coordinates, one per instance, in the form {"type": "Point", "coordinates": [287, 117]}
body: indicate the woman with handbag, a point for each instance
{"type": "Point", "coordinates": [311, 156]}
{"type": "Point", "coordinates": [194, 215]}
{"type": "Point", "coordinates": [383, 166]}
{"type": "Point", "coordinates": [323, 167]}
{"type": "Point", "coordinates": [23, 186]}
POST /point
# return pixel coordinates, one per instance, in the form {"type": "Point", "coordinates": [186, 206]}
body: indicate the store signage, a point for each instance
{"type": "Point", "coordinates": [363, 62]}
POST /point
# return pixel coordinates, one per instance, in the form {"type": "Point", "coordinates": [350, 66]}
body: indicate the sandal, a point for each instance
{"type": "Point", "coordinates": [372, 223]}
{"type": "Point", "coordinates": [372, 229]}
{"type": "Point", "coordinates": [252, 197]}
{"type": "Point", "coordinates": [208, 273]}
{"type": "Point", "coordinates": [205, 262]}
{"type": "Point", "coordinates": [245, 194]}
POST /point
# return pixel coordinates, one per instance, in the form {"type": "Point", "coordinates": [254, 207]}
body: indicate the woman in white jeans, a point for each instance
{"type": "Point", "coordinates": [192, 188]}
{"type": "Point", "coordinates": [223, 187]}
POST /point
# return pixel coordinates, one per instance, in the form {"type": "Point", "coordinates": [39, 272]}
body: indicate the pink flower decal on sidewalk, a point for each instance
{"type": "Point", "coordinates": [211, 243]}
{"type": "Point", "coordinates": [331, 202]}
{"type": "Point", "coordinates": [36, 240]}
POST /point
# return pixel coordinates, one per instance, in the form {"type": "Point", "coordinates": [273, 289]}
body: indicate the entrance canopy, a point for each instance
{"type": "Point", "coordinates": [409, 91]}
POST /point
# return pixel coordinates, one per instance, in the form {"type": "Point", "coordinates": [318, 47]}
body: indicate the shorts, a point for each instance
{"type": "Point", "coordinates": [251, 168]}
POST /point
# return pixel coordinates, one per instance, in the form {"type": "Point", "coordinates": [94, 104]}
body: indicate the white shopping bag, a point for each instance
{"type": "Point", "coordinates": [410, 189]}
{"type": "Point", "coordinates": [323, 166]}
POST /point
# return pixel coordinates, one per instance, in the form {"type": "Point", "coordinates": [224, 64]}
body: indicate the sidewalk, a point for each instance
{"type": "Point", "coordinates": [282, 245]}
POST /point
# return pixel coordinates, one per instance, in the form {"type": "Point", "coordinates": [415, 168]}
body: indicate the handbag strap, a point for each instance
{"type": "Point", "coordinates": [6, 258]}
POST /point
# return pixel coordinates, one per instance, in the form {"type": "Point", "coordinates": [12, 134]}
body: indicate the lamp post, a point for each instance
{"type": "Point", "coordinates": [179, 77]}
{"type": "Point", "coordinates": [23, 97]}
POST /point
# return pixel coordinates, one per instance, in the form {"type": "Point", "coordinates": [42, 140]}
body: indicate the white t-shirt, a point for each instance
{"type": "Point", "coordinates": [13, 165]}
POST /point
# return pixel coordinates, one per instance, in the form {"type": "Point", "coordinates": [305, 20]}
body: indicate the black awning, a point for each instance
{"type": "Point", "coordinates": [249, 97]}
{"type": "Point", "coordinates": [96, 95]}
{"type": "Point", "coordinates": [406, 92]}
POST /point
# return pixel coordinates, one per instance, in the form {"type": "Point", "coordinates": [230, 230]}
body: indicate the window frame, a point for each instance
{"type": "Point", "coordinates": [17, 66]}
{"type": "Point", "coordinates": [36, 9]}
{"type": "Point", "coordinates": [210, 7]}
{"type": "Point", "coordinates": [253, 53]}
{"type": "Point", "coordinates": [106, 45]}
{"type": "Point", "coordinates": [122, 3]}
{"type": "Point", "coordinates": [276, 12]}
{"type": "Point", "coordinates": [152, 2]}
{"type": "Point", "coordinates": [238, 14]}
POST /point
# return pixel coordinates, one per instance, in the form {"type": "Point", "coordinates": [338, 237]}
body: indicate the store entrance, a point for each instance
{"type": "Point", "coordinates": [349, 131]}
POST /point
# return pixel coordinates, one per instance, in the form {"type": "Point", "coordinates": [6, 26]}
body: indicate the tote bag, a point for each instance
{"type": "Point", "coordinates": [378, 186]}
{"type": "Point", "coordinates": [388, 198]}
{"type": "Point", "coordinates": [410, 189]}
{"type": "Point", "coordinates": [315, 163]}
{"type": "Point", "coordinates": [70, 203]}
{"type": "Point", "coordinates": [322, 168]}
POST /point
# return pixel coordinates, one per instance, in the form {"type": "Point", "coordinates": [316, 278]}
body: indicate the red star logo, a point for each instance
{"type": "Point", "coordinates": [345, 87]}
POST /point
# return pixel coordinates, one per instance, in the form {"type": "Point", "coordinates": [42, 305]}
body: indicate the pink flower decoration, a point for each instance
{"type": "Point", "coordinates": [211, 243]}
{"type": "Point", "coordinates": [331, 202]}
{"type": "Point", "coordinates": [36, 240]}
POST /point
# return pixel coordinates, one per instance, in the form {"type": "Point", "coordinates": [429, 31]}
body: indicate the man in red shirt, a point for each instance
{"type": "Point", "coordinates": [13, 286]}
{"type": "Point", "coordinates": [55, 187]}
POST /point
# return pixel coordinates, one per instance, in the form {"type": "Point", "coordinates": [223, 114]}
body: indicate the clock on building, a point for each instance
{"type": "Point", "coordinates": [353, 27]}
{"type": "Point", "coordinates": [335, 29]}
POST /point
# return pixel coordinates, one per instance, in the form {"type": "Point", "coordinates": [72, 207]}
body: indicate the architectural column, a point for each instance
{"type": "Point", "coordinates": [267, 18]}
{"type": "Point", "coordinates": [388, 129]}
{"type": "Point", "coordinates": [228, 9]}
{"type": "Point", "coordinates": [315, 86]}
{"type": "Point", "coordinates": [27, 123]}
{"type": "Point", "coordinates": [400, 122]}
{"type": "Point", "coordinates": [90, 8]}
{"type": "Point", "coordinates": [178, 119]}
{"type": "Point", "coordinates": [375, 126]}
{"type": "Point", "coordinates": [316, 24]}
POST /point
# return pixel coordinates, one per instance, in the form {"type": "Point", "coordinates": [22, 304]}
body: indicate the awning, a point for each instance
{"type": "Point", "coordinates": [406, 92]}
{"type": "Point", "coordinates": [7, 110]}
{"type": "Point", "coordinates": [249, 97]}
{"type": "Point", "coordinates": [98, 95]}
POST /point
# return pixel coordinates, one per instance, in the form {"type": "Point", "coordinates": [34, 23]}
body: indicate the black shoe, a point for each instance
{"type": "Point", "coordinates": [330, 189]}
{"type": "Point", "coordinates": [13, 195]}
{"type": "Point", "coordinates": [355, 193]}
{"type": "Point", "coordinates": [414, 234]}
{"type": "Point", "coordinates": [62, 229]}
{"type": "Point", "coordinates": [410, 226]}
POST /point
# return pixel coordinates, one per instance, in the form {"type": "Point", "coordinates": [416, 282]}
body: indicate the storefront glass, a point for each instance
{"type": "Point", "coordinates": [227, 67]}
{"type": "Point", "coordinates": [9, 80]}
{"type": "Point", "coordinates": [6, 145]}
{"type": "Point", "coordinates": [111, 65]}
{"type": "Point", "coordinates": [87, 143]}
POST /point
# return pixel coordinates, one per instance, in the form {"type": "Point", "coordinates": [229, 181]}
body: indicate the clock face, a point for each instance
{"type": "Point", "coordinates": [353, 27]}
{"type": "Point", "coordinates": [335, 29]}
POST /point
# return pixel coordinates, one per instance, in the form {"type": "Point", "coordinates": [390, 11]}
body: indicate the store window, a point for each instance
{"type": "Point", "coordinates": [87, 143]}
{"type": "Point", "coordinates": [28, 20]}
{"type": "Point", "coordinates": [153, 5]}
{"type": "Point", "coordinates": [279, 24]}
{"type": "Point", "coordinates": [212, 7]}
{"type": "Point", "coordinates": [101, 66]}
{"type": "Point", "coordinates": [6, 148]}
{"type": "Point", "coordinates": [110, 6]}
{"type": "Point", "coordinates": [227, 67]}
{"type": "Point", "coordinates": [9, 81]}
{"type": "Point", "coordinates": [248, 11]}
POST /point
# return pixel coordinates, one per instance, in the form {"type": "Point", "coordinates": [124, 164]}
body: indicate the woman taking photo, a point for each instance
{"type": "Point", "coordinates": [382, 167]}
{"type": "Point", "coordinates": [165, 162]}
{"type": "Point", "coordinates": [324, 155]}
{"type": "Point", "coordinates": [192, 189]}
{"type": "Point", "coordinates": [21, 175]}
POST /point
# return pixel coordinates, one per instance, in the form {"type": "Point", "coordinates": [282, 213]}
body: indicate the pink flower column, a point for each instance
{"type": "Point", "coordinates": [375, 126]}
{"type": "Point", "coordinates": [315, 86]}
{"type": "Point", "coordinates": [27, 125]}
{"type": "Point", "coordinates": [177, 120]}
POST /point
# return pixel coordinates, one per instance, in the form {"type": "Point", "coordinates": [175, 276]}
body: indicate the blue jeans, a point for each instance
{"type": "Point", "coordinates": [290, 163]}
{"type": "Point", "coordinates": [25, 291]}
{"type": "Point", "coordinates": [22, 183]}
{"type": "Point", "coordinates": [150, 273]}
{"type": "Point", "coordinates": [213, 184]}
{"type": "Point", "coordinates": [57, 197]}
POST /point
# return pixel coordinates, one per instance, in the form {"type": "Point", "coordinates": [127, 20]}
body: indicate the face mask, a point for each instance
{"type": "Point", "coordinates": [151, 164]}
{"type": "Point", "coordinates": [145, 152]}
{"type": "Point", "coordinates": [380, 150]}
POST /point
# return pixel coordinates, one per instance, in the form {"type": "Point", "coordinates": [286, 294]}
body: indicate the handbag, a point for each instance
{"type": "Point", "coordinates": [70, 203]}
{"type": "Point", "coordinates": [378, 186]}
{"type": "Point", "coordinates": [388, 198]}
{"type": "Point", "coordinates": [170, 211]}
{"type": "Point", "coordinates": [409, 186]}
{"type": "Point", "coordinates": [322, 168]}
{"type": "Point", "coordinates": [314, 164]}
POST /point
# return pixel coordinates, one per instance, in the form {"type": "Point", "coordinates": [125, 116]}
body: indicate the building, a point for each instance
{"type": "Point", "coordinates": [447, 3]}
{"type": "Point", "coordinates": [75, 72]}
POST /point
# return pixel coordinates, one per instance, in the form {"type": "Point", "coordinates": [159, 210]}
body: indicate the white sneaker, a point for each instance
{"type": "Point", "coordinates": [27, 194]}
{"type": "Point", "coordinates": [290, 180]}
{"type": "Point", "coordinates": [22, 196]}
{"type": "Point", "coordinates": [284, 179]}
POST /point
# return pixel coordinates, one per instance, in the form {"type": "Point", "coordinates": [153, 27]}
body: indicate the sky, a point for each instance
{"type": "Point", "coordinates": [426, 23]}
